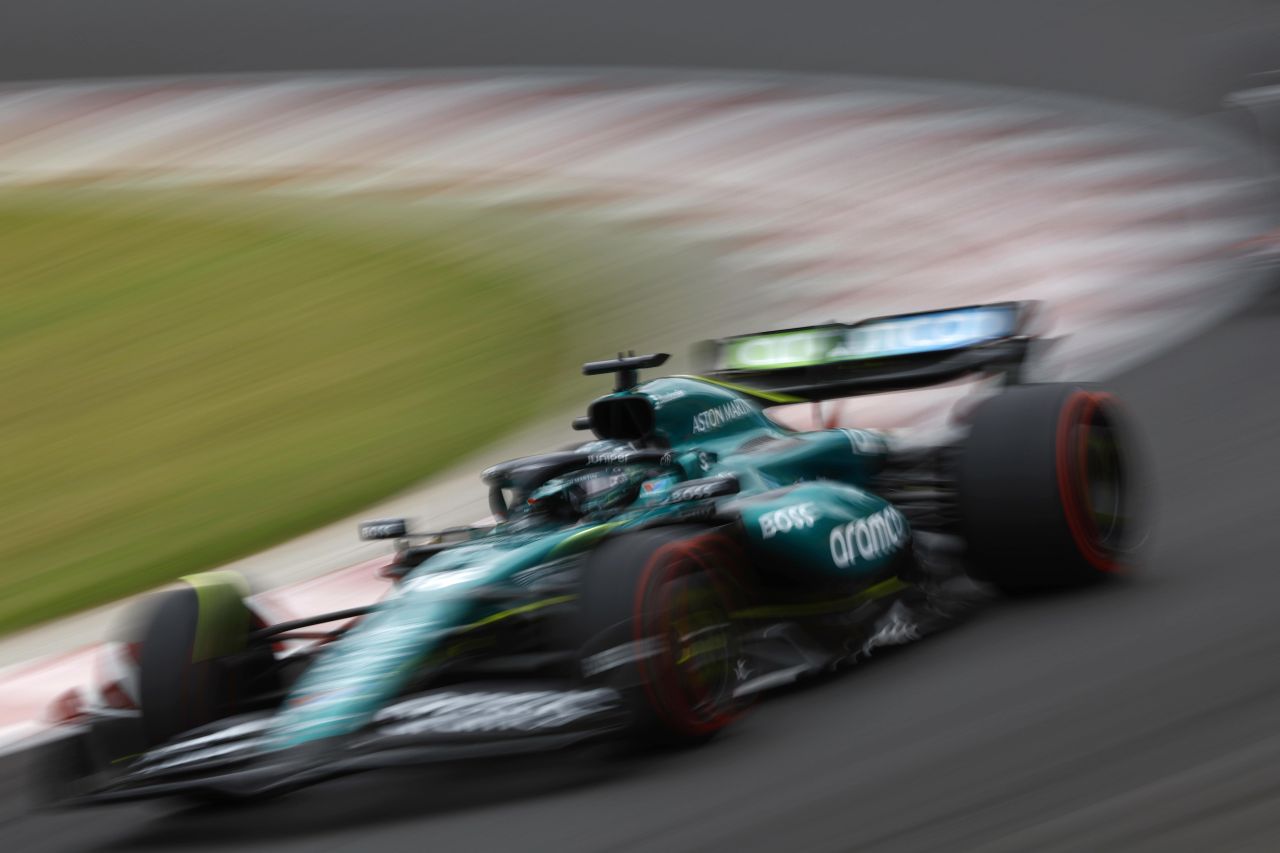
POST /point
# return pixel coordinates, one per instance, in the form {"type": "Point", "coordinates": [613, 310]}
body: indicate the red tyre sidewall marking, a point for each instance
{"type": "Point", "coordinates": [1073, 482]}
{"type": "Point", "coordinates": [661, 687]}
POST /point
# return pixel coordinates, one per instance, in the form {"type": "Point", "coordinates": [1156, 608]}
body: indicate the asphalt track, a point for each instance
{"type": "Point", "coordinates": [1143, 716]}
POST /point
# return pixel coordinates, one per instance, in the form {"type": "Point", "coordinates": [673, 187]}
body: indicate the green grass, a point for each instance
{"type": "Point", "coordinates": [182, 382]}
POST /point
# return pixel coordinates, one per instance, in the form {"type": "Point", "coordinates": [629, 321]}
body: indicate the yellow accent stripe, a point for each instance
{"type": "Point", "coordinates": [770, 396]}
{"type": "Point", "coordinates": [583, 537]}
{"type": "Point", "coordinates": [880, 590]}
{"type": "Point", "coordinates": [515, 611]}
{"type": "Point", "coordinates": [221, 577]}
{"type": "Point", "coordinates": [222, 619]}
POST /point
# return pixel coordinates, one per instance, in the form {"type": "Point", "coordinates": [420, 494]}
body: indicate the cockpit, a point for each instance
{"type": "Point", "coordinates": [595, 481]}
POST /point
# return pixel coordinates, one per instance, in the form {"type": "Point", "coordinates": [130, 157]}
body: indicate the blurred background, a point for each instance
{"type": "Point", "coordinates": [266, 265]}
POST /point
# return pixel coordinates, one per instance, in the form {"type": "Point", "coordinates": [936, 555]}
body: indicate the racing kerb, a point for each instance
{"type": "Point", "coordinates": [832, 198]}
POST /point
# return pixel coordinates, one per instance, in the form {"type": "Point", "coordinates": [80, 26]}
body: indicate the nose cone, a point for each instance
{"type": "Point", "coordinates": [355, 676]}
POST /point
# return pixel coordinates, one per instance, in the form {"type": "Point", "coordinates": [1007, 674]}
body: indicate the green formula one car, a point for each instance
{"type": "Point", "coordinates": [647, 584]}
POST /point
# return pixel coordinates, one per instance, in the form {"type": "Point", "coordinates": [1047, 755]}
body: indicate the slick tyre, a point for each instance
{"type": "Point", "coordinates": [656, 619]}
{"type": "Point", "coordinates": [1046, 493]}
{"type": "Point", "coordinates": [194, 665]}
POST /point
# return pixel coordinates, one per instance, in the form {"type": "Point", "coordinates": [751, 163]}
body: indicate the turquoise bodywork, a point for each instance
{"type": "Point", "coordinates": [803, 510]}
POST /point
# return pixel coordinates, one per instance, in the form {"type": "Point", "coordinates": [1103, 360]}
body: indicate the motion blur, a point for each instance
{"type": "Point", "coordinates": [964, 307]}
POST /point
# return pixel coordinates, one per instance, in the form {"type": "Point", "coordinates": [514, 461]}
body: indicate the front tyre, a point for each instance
{"type": "Point", "coordinates": [656, 618]}
{"type": "Point", "coordinates": [1046, 496]}
{"type": "Point", "coordinates": [195, 665]}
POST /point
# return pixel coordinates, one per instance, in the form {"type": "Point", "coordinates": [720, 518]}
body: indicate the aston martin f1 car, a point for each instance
{"type": "Point", "coordinates": [648, 583]}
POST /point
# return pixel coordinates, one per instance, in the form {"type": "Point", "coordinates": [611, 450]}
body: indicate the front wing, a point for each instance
{"type": "Point", "coordinates": [233, 758]}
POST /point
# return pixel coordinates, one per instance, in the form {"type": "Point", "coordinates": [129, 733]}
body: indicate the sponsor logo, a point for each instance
{"type": "Point", "coordinates": [383, 529]}
{"type": "Point", "coordinates": [888, 336]}
{"type": "Point", "coordinates": [787, 519]}
{"type": "Point", "coordinates": [939, 330]}
{"type": "Point", "coordinates": [662, 399]}
{"type": "Point", "coordinates": [457, 713]}
{"type": "Point", "coordinates": [869, 538]}
{"type": "Point", "coordinates": [613, 457]}
{"type": "Point", "coordinates": [238, 732]}
{"type": "Point", "coordinates": [720, 485]}
{"type": "Point", "coordinates": [791, 349]}
{"type": "Point", "coordinates": [693, 493]}
{"type": "Point", "coordinates": [223, 751]}
{"type": "Point", "coordinates": [718, 416]}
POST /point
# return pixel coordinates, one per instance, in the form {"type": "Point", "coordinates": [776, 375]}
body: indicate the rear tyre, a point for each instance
{"type": "Point", "coordinates": [194, 665]}
{"type": "Point", "coordinates": [656, 621]}
{"type": "Point", "coordinates": [1045, 489]}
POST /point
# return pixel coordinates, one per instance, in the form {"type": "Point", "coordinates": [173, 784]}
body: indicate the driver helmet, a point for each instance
{"type": "Point", "coordinates": [592, 492]}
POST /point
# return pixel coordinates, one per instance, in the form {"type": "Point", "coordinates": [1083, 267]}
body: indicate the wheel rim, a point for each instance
{"type": "Point", "coordinates": [683, 607]}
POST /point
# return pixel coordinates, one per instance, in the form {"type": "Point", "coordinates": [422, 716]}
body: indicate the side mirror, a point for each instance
{"type": "Point", "coordinates": [384, 528]}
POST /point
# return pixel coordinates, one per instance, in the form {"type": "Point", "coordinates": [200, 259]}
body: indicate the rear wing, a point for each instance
{"type": "Point", "coordinates": [891, 353]}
